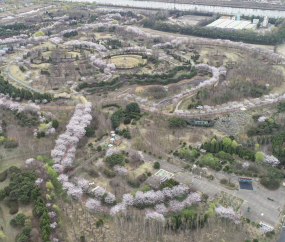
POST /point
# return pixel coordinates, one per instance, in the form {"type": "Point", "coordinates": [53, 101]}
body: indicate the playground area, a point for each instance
{"type": "Point", "coordinates": [163, 173]}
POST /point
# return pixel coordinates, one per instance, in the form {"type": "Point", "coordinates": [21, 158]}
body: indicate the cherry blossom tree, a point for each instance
{"type": "Point", "coordinates": [120, 170]}
{"type": "Point", "coordinates": [154, 216]}
{"type": "Point", "coordinates": [271, 160]}
{"type": "Point", "coordinates": [227, 213]}
{"type": "Point", "coordinates": [93, 204]}
{"type": "Point", "coordinates": [99, 192]}
{"type": "Point", "coordinates": [110, 198]}
{"type": "Point", "coordinates": [160, 208]}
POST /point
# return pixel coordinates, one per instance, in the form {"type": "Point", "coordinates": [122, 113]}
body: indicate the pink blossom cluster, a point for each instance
{"type": "Point", "coordinates": [93, 204]}
{"type": "Point", "coordinates": [8, 104]}
{"type": "Point", "coordinates": [53, 225]}
{"type": "Point", "coordinates": [154, 216]}
{"type": "Point", "coordinates": [82, 183]}
{"type": "Point", "coordinates": [261, 119]}
{"type": "Point", "coordinates": [111, 16]}
{"type": "Point", "coordinates": [111, 151]}
{"type": "Point", "coordinates": [110, 198]}
{"type": "Point", "coordinates": [160, 208]}
{"type": "Point", "coordinates": [227, 213]}
{"type": "Point", "coordinates": [120, 170]}
{"type": "Point", "coordinates": [72, 190]}
{"type": "Point", "coordinates": [92, 45]}
{"type": "Point", "coordinates": [52, 214]}
{"type": "Point", "coordinates": [62, 178]}
{"type": "Point", "coordinates": [38, 181]}
{"type": "Point", "coordinates": [14, 39]}
{"type": "Point", "coordinates": [30, 160]}
{"type": "Point", "coordinates": [63, 18]}
{"type": "Point", "coordinates": [37, 39]}
{"type": "Point", "coordinates": [56, 40]}
{"type": "Point", "coordinates": [99, 192]}
{"type": "Point", "coordinates": [64, 151]}
{"type": "Point", "coordinates": [271, 160]}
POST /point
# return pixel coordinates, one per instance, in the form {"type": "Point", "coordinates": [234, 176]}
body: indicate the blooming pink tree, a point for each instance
{"type": "Point", "coordinates": [271, 160]}
{"type": "Point", "coordinates": [227, 213]}
{"type": "Point", "coordinates": [110, 198]}
{"type": "Point", "coordinates": [99, 192]}
{"type": "Point", "coordinates": [120, 170]}
{"type": "Point", "coordinates": [93, 204]}
{"type": "Point", "coordinates": [154, 216]}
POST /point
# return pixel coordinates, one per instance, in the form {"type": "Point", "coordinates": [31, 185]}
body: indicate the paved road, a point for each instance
{"type": "Point", "coordinates": [20, 82]}
{"type": "Point", "coordinates": [257, 201]}
{"type": "Point", "coordinates": [282, 235]}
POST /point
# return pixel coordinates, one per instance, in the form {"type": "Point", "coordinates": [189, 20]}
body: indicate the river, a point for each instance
{"type": "Point", "coordinates": [192, 7]}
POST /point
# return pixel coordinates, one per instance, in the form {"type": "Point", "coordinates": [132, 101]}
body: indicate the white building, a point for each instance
{"type": "Point", "coordinates": [265, 22]}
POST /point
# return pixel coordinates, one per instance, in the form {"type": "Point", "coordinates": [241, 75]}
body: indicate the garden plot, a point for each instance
{"type": "Point", "coordinates": [241, 117]}
{"type": "Point", "coordinates": [127, 61]}
{"type": "Point", "coordinates": [227, 125]}
{"type": "Point", "coordinates": [229, 200]}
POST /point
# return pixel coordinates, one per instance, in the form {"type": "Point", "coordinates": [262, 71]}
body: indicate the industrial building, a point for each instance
{"type": "Point", "coordinates": [228, 24]}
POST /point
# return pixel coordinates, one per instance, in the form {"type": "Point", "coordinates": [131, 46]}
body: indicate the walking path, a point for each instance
{"type": "Point", "coordinates": [20, 82]}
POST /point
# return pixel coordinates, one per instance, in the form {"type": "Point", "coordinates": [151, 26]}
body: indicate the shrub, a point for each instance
{"type": "Point", "coordinates": [272, 184]}
{"type": "Point", "coordinates": [11, 143]}
{"type": "Point", "coordinates": [223, 155]}
{"type": "Point", "coordinates": [89, 131]}
{"type": "Point", "coordinates": [145, 188]}
{"type": "Point", "coordinates": [177, 122]}
{"type": "Point", "coordinates": [99, 222]}
{"type": "Point", "coordinates": [14, 208]}
{"type": "Point", "coordinates": [133, 107]}
{"type": "Point", "coordinates": [18, 220]}
{"type": "Point", "coordinates": [55, 123]}
{"type": "Point", "coordinates": [115, 159]}
{"type": "Point", "coordinates": [141, 178]}
{"type": "Point", "coordinates": [3, 175]}
{"type": "Point", "coordinates": [133, 183]}
{"type": "Point", "coordinates": [156, 165]}
{"type": "Point", "coordinates": [2, 194]}
{"type": "Point", "coordinates": [169, 183]}
{"type": "Point", "coordinates": [109, 174]}
{"type": "Point", "coordinates": [127, 120]}
{"type": "Point", "coordinates": [255, 240]}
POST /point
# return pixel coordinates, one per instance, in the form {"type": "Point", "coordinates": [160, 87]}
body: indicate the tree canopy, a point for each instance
{"type": "Point", "coordinates": [176, 122]}
{"type": "Point", "coordinates": [133, 107]}
{"type": "Point", "coordinates": [115, 159]}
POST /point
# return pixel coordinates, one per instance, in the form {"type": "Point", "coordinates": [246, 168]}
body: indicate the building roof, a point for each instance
{"type": "Point", "coordinates": [225, 23]}
{"type": "Point", "coordinates": [250, 26]}
{"type": "Point", "coordinates": [215, 23]}
{"type": "Point", "coordinates": [242, 25]}
{"type": "Point", "coordinates": [231, 24]}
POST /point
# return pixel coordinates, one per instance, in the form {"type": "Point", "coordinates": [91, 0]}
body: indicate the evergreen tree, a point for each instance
{"type": "Point", "coordinates": [217, 147]}
{"type": "Point", "coordinates": [212, 147]}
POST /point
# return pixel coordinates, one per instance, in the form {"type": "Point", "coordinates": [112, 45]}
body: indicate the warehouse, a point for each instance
{"type": "Point", "coordinates": [228, 24]}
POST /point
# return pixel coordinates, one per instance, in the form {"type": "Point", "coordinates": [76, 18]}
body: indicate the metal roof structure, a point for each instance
{"type": "Point", "coordinates": [224, 24]}
{"type": "Point", "coordinates": [231, 24]}
{"type": "Point", "coordinates": [215, 23]}
{"type": "Point", "coordinates": [250, 26]}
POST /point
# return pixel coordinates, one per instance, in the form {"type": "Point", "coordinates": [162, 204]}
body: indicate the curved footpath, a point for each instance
{"type": "Point", "coordinates": [20, 82]}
